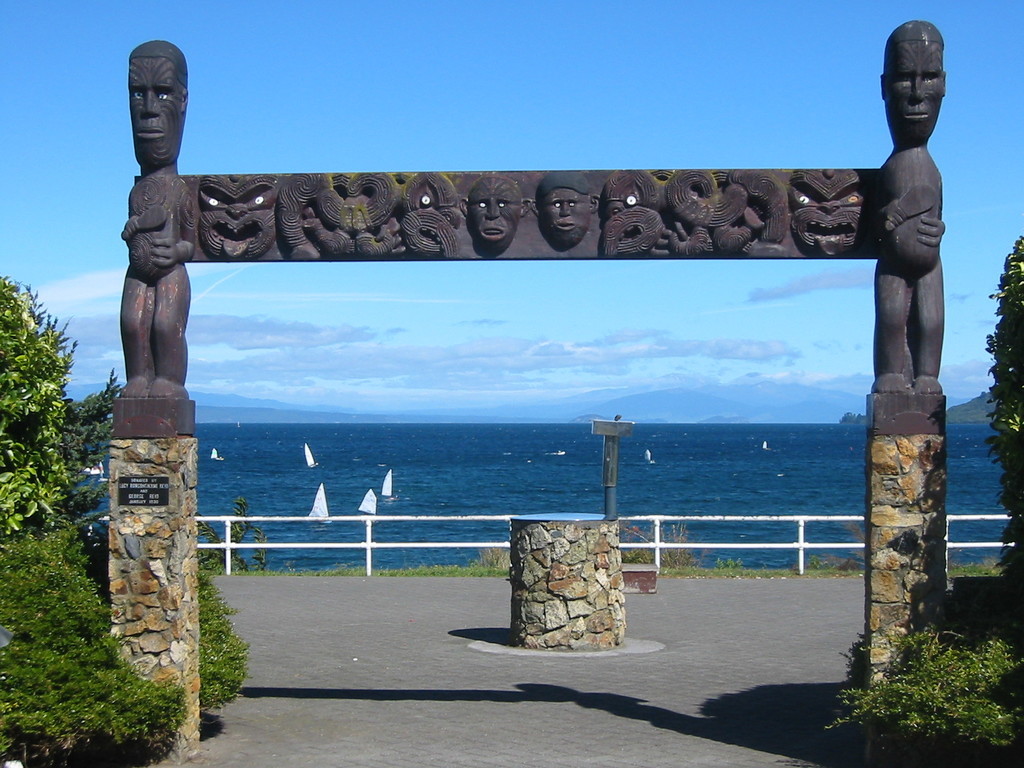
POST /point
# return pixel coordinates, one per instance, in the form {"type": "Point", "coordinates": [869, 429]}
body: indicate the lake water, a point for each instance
{"type": "Point", "coordinates": [500, 469]}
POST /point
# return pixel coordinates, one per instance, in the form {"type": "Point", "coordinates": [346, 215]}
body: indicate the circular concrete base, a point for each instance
{"type": "Point", "coordinates": [628, 647]}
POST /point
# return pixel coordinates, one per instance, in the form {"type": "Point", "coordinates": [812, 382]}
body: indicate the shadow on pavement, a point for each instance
{"type": "Point", "coordinates": [496, 635]}
{"type": "Point", "coordinates": [788, 720]}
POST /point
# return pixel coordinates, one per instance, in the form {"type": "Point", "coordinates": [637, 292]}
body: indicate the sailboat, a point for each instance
{"type": "Point", "coordinates": [310, 461]}
{"type": "Point", "coordinates": [320, 504]}
{"type": "Point", "coordinates": [368, 506]}
{"type": "Point", "coordinates": [647, 456]}
{"type": "Point", "coordinates": [386, 488]}
{"type": "Point", "coordinates": [216, 456]}
{"type": "Point", "coordinates": [764, 445]}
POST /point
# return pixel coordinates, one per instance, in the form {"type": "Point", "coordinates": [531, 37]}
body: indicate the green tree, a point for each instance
{"type": "Point", "coordinates": [86, 443]}
{"type": "Point", "coordinates": [35, 361]}
{"type": "Point", "coordinates": [1006, 346]}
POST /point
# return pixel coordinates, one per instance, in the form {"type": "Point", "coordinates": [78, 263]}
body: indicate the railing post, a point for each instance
{"type": "Point", "coordinates": [800, 524]}
{"type": "Point", "coordinates": [657, 542]}
{"type": "Point", "coordinates": [369, 547]}
{"type": "Point", "coordinates": [945, 538]}
{"type": "Point", "coordinates": [227, 547]}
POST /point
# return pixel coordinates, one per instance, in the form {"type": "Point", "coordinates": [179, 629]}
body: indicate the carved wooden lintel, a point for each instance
{"type": "Point", "coordinates": [637, 214]}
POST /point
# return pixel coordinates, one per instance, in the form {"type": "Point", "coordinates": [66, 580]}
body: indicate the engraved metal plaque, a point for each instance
{"type": "Point", "coordinates": [149, 491]}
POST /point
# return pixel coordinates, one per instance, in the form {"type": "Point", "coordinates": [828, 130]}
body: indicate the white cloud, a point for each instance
{"type": "Point", "coordinates": [857, 277]}
{"type": "Point", "coordinates": [63, 296]}
{"type": "Point", "coordinates": [268, 333]}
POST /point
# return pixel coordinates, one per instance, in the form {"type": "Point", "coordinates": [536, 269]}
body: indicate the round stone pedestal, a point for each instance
{"type": "Point", "coordinates": [566, 583]}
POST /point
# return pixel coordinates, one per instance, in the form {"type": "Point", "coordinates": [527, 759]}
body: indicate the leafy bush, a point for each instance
{"type": "Point", "coordinates": [85, 443]}
{"type": "Point", "coordinates": [35, 359]}
{"type": "Point", "coordinates": [213, 559]}
{"type": "Point", "coordinates": [946, 690]}
{"type": "Point", "coordinates": [670, 558]}
{"type": "Point", "coordinates": [67, 692]}
{"type": "Point", "coordinates": [1007, 395]}
{"type": "Point", "coordinates": [223, 655]}
{"type": "Point", "coordinates": [497, 558]}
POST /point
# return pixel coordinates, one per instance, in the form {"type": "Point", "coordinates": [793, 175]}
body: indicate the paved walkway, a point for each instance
{"type": "Point", "coordinates": [388, 672]}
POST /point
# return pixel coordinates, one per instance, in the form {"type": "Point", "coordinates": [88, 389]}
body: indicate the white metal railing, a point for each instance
{"type": "Point", "coordinates": [657, 543]}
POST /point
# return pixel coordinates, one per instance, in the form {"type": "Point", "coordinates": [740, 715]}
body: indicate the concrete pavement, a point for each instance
{"type": "Point", "coordinates": [383, 672]}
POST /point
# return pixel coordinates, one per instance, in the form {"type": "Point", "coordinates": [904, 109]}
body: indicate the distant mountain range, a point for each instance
{"type": "Point", "coordinates": [758, 402]}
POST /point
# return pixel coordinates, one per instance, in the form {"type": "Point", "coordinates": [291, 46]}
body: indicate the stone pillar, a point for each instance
{"type": "Point", "coordinates": [566, 583]}
{"type": "Point", "coordinates": [905, 553]}
{"type": "Point", "coordinates": [153, 566]}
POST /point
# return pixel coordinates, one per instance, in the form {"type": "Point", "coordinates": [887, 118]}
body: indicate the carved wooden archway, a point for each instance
{"type": "Point", "coordinates": [891, 215]}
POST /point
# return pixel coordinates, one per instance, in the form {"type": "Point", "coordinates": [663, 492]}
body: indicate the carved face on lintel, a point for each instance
{"type": "Point", "coordinates": [913, 82]}
{"type": "Point", "coordinates": [158, 96]}
{"type": "Point", "coordinates": [629, 206]}
{"type": "Point", "coordinates": [826, 207]}
{"type": "Point", "coordinates": [237, 215]}
{"type": "Point", "coordinates": [564, 208]}
{"type": "Point", "coordinates": [493, 209]}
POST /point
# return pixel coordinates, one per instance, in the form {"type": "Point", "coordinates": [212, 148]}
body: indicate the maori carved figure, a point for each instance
{"type": "Point", "coordinates": [236, 215]}
{"type": "Point", "coordinates": [430, 216]}
{"type": "Point", "coordinates": [564, 208]}
{"type": "Point", "coordinates": [826, 207]}
{"type": "Point", "coordinates": [764, 221]}
{"type": "Point", "coordinates": [715, 212]}
{"type": "Point", "coordinates": [629, 207]}
{"type": "Point", "coordinates": [909, 315]}
{"type": "Point", "coordinates": [494, 206]}
{"type": "Point", "coordinates": [160, 214]}
{"type": "Point", "coordinates": [338, 215]}
{"type": "Point", "coordinates": [297, 205]}
{"type": "Point", "coordinates": [697, 205]}
{"type": "Point", "coordinates": [160, 230]}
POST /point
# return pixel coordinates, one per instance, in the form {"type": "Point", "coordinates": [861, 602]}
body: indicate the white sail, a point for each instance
{"type": "Point", "coordinates": [764, 445]}
{"type": "Point", "coordinates": [368, 506]}
{"type": "Point", "coordinates": [647, 456]}
{"type": "Point", "coordinates": [216, 456]}
{"type": "Point", "coordinates": [310, 461]}
{"type": "Point", "coordinates": [320, 503]}
{"type": "Point", "coordinates": [387, 486]}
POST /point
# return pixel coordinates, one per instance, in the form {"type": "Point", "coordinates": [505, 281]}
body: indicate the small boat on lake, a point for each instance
{"type": "Point", "coordinates": [387, 487]}
{"type": "Point", "coordinates": [216, 456]}
{"type": "Point", "coordinates": [310, 461]}
{"type": "Point", "coordinates": [368, 506]}
{"type": "Point", "coordinates": [647, 456]}
{"type": "Point", "coordinates": [320, 509]}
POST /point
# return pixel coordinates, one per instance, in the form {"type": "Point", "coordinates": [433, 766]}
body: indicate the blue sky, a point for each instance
{"type": "Point", "coordinates": [460, 86]}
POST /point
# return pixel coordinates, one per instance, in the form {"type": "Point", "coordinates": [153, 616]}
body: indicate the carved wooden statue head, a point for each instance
{"type": "Point", "coordinates": [913, 82]}
{"type": "Point", "coordinates": [158, 95]}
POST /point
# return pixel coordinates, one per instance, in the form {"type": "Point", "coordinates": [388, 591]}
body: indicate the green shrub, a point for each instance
{"type": "Point", "coordinates": [213, 559]}
{"type": "Point", "coordinates": [670, 558]}
{"type": "Point", "coordinates": [66, 691]}
{"type": "Point", "coordinates": [497, 558]}
{"type": "Point", "coordinates": [35, 359]}
{"type": "Point", "coordinates": [1007, 397]}
{"type": "Point", "coordinates": [945, 690]}
{"type": "Point", "coordinates": [223, 655]}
